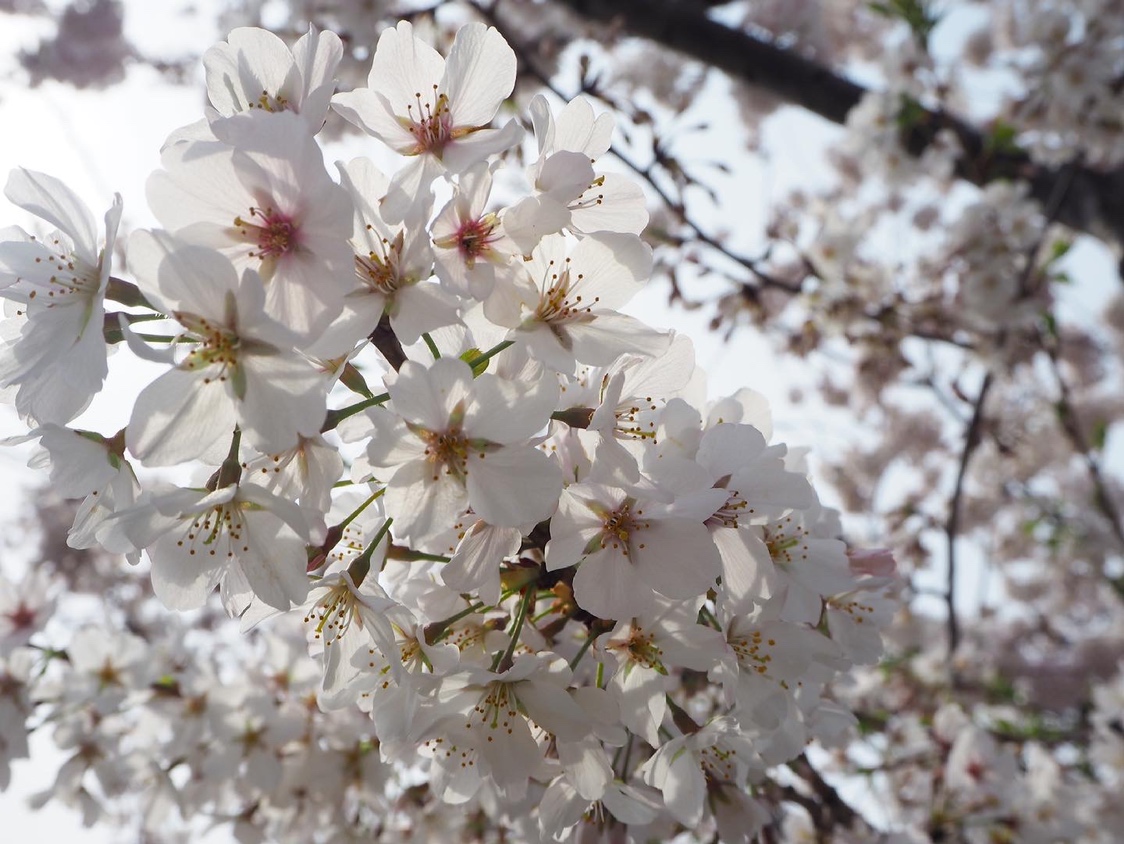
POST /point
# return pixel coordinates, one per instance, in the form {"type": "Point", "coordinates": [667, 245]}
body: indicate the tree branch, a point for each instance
{"type": "Point", "coordinates": [1067, 416]}
{"type": "Point", "coordinates": [952, 526]}
{"type": "Point", "coordinates": [1094, 202]}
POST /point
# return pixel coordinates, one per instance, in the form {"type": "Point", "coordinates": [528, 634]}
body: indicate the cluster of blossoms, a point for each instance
{"type": "Point", "coordinates": [564, 588]}
{"type": "Point", "coordinates": [990, 772]}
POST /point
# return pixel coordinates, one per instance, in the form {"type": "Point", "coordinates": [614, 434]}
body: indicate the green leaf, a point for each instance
{"type": "Point", "coordinates": [911, 113]}
{"type": "Point", "coordinates": [1002, 138]}
{"type": "Point", "coordinates": [1059, 249]}
{"type": "Point", "coordinates": [918, 15]}
{"type": "Point", "coordinates": [1050, 324]}
{"type": "Point", "coordinates": [1100, 434]}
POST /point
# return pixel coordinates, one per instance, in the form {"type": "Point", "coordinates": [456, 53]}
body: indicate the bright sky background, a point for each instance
{"type": "Point", "coordinates": [107, 141]}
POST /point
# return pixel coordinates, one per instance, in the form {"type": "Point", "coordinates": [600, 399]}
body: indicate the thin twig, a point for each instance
{"type": "Point", "coordinates": [952, 526]}
{"type": "Point", "coordinates": [972, 432]}
{"type": "Point", "coordinates": [1067, 415]}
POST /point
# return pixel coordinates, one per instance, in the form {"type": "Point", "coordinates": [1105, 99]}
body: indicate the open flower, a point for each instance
{"type": "Point", "coordinates": [452, 442]}
{"type": "Point", "coordinates": [421, 105]}
{"type": "Point", "coordinates": [254, 69]}
{"type": "Point", "coordinates": [564, 305]}
{"type": "Point", "coordinates": [239, 535]}
{"type": "Point", "coordinates": [58, 359]}
{"type": "Point", "coordinates": [393, 264]}
{"type": "Point", "coordinates": [241, 370]}
{"type": "Point", "coordinates": [568, 193]}
{"type": "Point", "coordinates": [628, 549]}
{"type": "Point", "coordinates": [262, 197]}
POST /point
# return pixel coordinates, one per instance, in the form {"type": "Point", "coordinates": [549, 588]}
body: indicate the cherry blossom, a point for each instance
{"type": "Point", "coordinates": [563, 304]}
{"type": "Point", "coordinates": [56, 354]}
{"type": "Point", "coordinates": [260, 195]}
{"type": "Point", "coordinates": [240, 372]}
{"type": "Point", "coordinates": [449, 441]}
{"type": "Point", "coordinates": [253, 69]}
{"type": "Point", "coordinates": [486, 541]}
{"type": "Point", "coordinates": [240, 535]}
{"type": "Point", "coordinates": [434, 109]}
{"type": "Point", "coordinates": [568, 192]}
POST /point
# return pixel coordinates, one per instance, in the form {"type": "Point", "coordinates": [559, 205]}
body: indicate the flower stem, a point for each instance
{"type": "Point", "coordinates": [361, 565]}
{"type": "Point", "coordinates": [488, 355]}
{"type": "Point", "coordinates": [433, 350]}
{"type": "Point", "coordinates": [334, 417]}
{"type": "Point", "coordinates": [581, 652]}
{"type": "Point", "coordinates": [503, 662]}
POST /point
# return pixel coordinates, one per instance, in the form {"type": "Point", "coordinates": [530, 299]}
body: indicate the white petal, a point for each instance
{"type": "Point", "coordinates": [285, 399]}
{"type": "Point", "coordinates": [479, 75]}
{"type": "Point", "coordinates": [677, 558]}
{"type": "Point", "coordinates": [426, 397]}
{"type": "Point", "coordinates": [178, 417]}
{"type": "Point", "coordinates": [513, 486]}
{"type": "Point", "coordinates": [606, 585]}
{"type": "Point", "coordinates": [50, 199]}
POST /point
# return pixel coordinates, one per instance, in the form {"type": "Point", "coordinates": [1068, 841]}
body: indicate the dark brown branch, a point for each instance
{"type": "Point", "coordinates": [386, 341]}
{"type": "Point", "coordinates": [1094, 202]}
{"type": "Point", "coordinates": [830, 812]}
{"type": "Point", "coordinates": [952, 526]}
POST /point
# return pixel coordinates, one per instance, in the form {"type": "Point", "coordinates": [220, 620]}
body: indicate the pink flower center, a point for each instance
{"type": "Point", "coordinates": [274, 233]}
{"type": "Point", "coordinates": [431, 124]}
{"type": "Point", "coordinates": [475, 237]}
{"type": "Point", "coordinates": [21, 618]}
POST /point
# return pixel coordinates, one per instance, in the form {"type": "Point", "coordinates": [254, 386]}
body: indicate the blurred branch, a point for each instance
{"type": "Point", "coordinates": [1067, 415]}
{"type": "Point", "coordinates": [952, 526]}
{"type": "Point", "coordinates": [1094, 203]}
{"type": "Point", "coordinates": [830, 812]}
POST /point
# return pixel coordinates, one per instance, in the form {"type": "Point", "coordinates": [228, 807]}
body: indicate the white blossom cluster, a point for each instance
{"type": "Point", "coordinates": [567, 592]}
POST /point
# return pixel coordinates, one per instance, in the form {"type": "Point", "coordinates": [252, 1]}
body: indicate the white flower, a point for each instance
{"type": "Point", "coordinates": [564, 306]}
{"type": "Point", "coordinates": [628, 548]}
{"type": "Point", "coordinates": [58, 358]}
{"type": "Point", "coordinates": [647, 649]}
{"type": "Point", "coordinates": [451, 442]}
{"type": "Point", "coordinates": [494, 721]}
{"type": "Point", "coordinates": [254, 69]}
{"type": "Point", "coordinates": [25, 607]}
{"type": "Point", "coordinates": [568, 192]}
{"type": "Point", "coordinates": [262, 197]}
{"type": "Point", "coordinates": [305, 473]}
{"type": "Point", "coordinates": [685, 769]}
{"type": "Point", "coordinates": [197, 538]}
{"type": "Point", "coordinates": [470, 244]}
{"type": "Point", "coordinates": [241, 370]}
{"type": "Point", "coordinates": [792, 563]}
{"type": "Point", "coordinates": [393, 264]}
{"type": "Point", "coordinates": [87, 465]}
{"type": "Point", "coordinates": [766, 662]}
{"type": "Point", "coordinates": [475, 566]}
{"type": "Point", "coordinates": [421, 105]}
